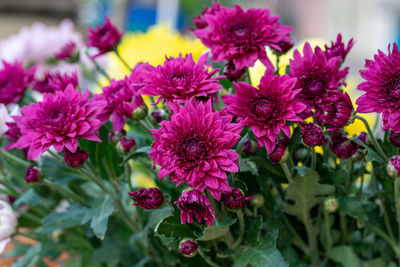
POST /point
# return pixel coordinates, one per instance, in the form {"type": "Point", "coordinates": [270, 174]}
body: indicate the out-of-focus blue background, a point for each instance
{"type": "Point", "coordinates": [373, 23]}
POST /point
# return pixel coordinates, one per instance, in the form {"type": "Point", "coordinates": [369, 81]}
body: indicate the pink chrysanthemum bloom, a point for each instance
{"type": "Point", "coordinates": [195, 146]}
{"type": "Point", "coordinates": [338, 48]}
{"type": "Point", "coordinates": [181, 78]}
{"type": "Point", "coordinates": [53, 82]}
{"type": "Point", "coordinates": [122, 99]}
{"type": "Point", "coordinates": [140, 73]}
{"type": "Point", "coordinates": [14, 80]}
{"type": "Point", "coordinates": [266, 109]}
{"type": "Point", "coordinates": [336, 110]}
{"type": "Point", "coordinates": [382, 87]}
{"type": "Point", "coordinates": [316, 76]}
{"type": "Point", "coordinates": [105, 37]}
{"type": "Point", "coordinates": [60, 120]}
{"type": "Point", "coordinates": [194, 204]}
{"type": "Point", "coordinates": [241, 36]}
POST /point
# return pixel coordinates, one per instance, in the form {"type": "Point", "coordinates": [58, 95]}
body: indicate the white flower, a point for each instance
{"type": "Point", "coordinates": [4, 117]}
{"type": "Point", "coordinates": [8, 223]}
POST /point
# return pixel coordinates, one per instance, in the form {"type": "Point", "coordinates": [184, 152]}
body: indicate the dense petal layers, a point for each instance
{"type": "Point", "coordinates": [194, 147]}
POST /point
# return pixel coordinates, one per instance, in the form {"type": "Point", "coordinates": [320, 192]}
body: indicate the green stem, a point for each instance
{"type": "Point", "coordinates": [287, 172]}
{"type": "Point", "coordinates": [122, 60]}
{"type": "Point", "coordinates": [390, 241]}
{"type": "Point", "coordinates": [101, 70]}
{"type": "Point", "coordinates": [328, 233]}
{"type": "Point", "coordinates": [312, 241]}
{"type": "Point", "coordinates": [207, 259]}
{"type": "Point", "coordinates": [298, 241]}
{"type": "Point", "coordinates": [313, 159]}
{"type": "Point", "coordinates": [397, 203]}
{"type": "Point", "coordinates": [239, 240]}
{"type": "Point", "coordinates": [343, 227]}
{"type": "Point", "coordinates": [67, 193]}
{"type": "Point", "coordinates": [373, 139]}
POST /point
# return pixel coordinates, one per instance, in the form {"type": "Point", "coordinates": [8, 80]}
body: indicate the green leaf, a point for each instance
{"type": "Point", "coordinates": [253, 230]}
{"type": "Point", "coordinates": [71, 217]}
{"type": "Point", "coordinates": [306, 192]}
{"type": "Point", "coordinates": [57, 171]}
{"type": "Point", "coordinates": [354, 208]}
{"type": "Point", "coordinates": [32, 256]}
{"type": "Point", "coordinates": [98, 215]}
{"type": "Point", "coordinates": [140, 152]}
{"type": "Point", "coordinates": [30, 197]}
{"type": "Point", "coordinates": [241, 142]}
{"type": "Point", "coordinates": [344, 255]}
{"type": "Point", "coordinates": [246, 165]}
{"type": "Point", "coordinates": [263, 254]}
{"type": "Point", "coordinates": [371, 155]}
{"type": "Point", "coordinates": [172, 226]}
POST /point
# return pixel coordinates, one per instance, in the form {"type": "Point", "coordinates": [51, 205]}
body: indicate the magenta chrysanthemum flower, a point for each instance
{"type": "Point", "coordinates": [312, 135]}
{"type": "Point", "coordinates": [122, 99]}
{"type": "Point", "coordinates": [336, 110]}
{"type": "Point", "coordinates": [340, 150]}
{"type": "Point", "coordinates": [338, 48]}
{"type": "Point", "coordinates": [266, 109]}
{"type": "Point", "coordinates": [241, 36]}
{"type": "Point", "coordinates": [181, 78]}
{"type": "Point", "coordinates": [316, 76]}
{"type": "Point", "coordinates": [194, 146]}
{"type": "Point", "coordinates": [14, 80]}
{"type": "Point", "coordinates": [105, 37]}
{"type": "Point", "coordinates": [66, 51]}
{"type": "Point", "coordinates": [234, 199]}
{"type": "Point", "coordinates": [382, 87]}
{"type": "Point", "coordinates": [52, 82]}
{"type": "Point", "coordinates": [60, 120]}
{"type": "Point", "coordinates": [200, 21]}
{"type": "Point", "coordinates": [194, 204]}
{"type": "Point", "coordinates": [149, 198]}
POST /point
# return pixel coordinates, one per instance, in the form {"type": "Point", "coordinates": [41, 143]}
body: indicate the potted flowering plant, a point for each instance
{"type": "Point", "coordinates": [242, 173]}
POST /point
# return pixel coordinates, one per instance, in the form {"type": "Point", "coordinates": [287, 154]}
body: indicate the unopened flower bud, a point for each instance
{"type": "Point", "coordinates": [140, 113]}
{"type": "Point", "coordinates": [257, 201]}
{"type": "Point", "coordinates": [77, 159]}
{"type": "Point", "coordinates": [301, 154]}
{"type": "Point", "coordinates": [393, 167]}
{"type": "Point", "coordinates": [280, 153]}
{"type": "Point", "coordinates": [331, 204]}
{"type": "Point", "coordinates": [149, 198]}
{"type": "Point", "coordinates": [126, 145]}
{"type": "Point", "coordinates": [32, 175]}
{"type": "Point", "coordinates": [188, 247]}
{"type": "Point", "coordinates": [158, 115]}
{"type": "Point", "coordinates": [234, 199]}
{"type": "Point", "coordinates": [249, 147]}
{"type": "Point", "coordinates": [114, 137]}
{"type": "Point", "coordinates": [312, 135]}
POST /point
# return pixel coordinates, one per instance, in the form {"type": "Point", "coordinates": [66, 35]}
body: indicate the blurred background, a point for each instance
{"type": "Point", "coordinates": [372, 23]}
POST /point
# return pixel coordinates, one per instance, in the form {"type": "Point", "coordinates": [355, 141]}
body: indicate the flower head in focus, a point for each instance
{"type": "Point", "coordinates": [338, 48]}
{"type": "Point", "coordinates": [382, 88]}
{"type": "Point", "coordinates": [105, 37]}
{"type": "Point", "coordinates": [14, 80]}
{"type": "Point", "coordinates": [316, 76]}
{"type": "Point", "coordinates": [336, 110]}
{"type": "Point", "coordinates": [194, 146]}
{"type": "Point", "coordinates": [266, 109]}
{"type": "Point", "coordinates": [181, 78]}
{"type": "Point", "coordinates": [60, 120]}
{"type": "Point", "coordinates": [312, 135]}
{"type": "Point", "coordinates": [195, 205]}
{"type": "Point", "coordinates": [241, 36]}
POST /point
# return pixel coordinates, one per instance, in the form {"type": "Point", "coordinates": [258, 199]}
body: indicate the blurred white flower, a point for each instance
{"type": "Point", "coordinates": [8, 223]}
{"type": "Point", "coordinates": [37, 43]}
{"type": "Point", "coordinates": [4, 117]}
